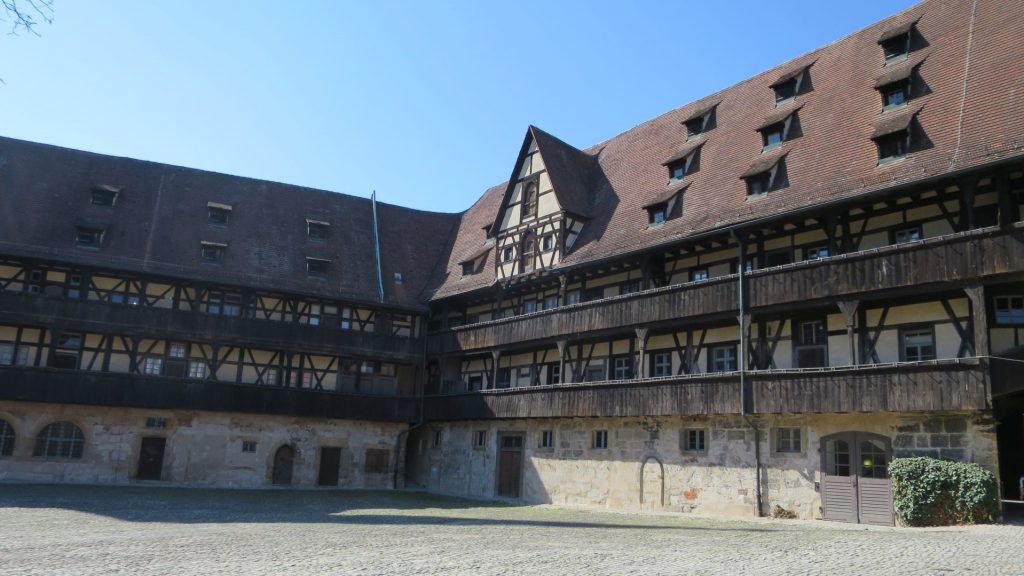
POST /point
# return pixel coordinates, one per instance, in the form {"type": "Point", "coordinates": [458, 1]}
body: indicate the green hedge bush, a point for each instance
{"type": "Point", "coordinates": [931, 492]}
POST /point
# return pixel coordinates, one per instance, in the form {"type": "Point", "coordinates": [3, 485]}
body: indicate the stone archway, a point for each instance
{"type": "Point", "coordinates": [652, 483]}
{"type": "Point", "coordinates": [284, 465]}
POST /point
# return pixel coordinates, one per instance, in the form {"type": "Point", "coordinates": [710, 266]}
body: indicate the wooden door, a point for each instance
{"type": "Point", "coordinates": [510, 466]}
{"type": "Point", "coordinates": [330, 463]}
{"type": "Point", "coordinates": [855, 479]}
{"type": "Point", "coordinates": [284, 460]}
{"type": "Point", "coordinates": [151, 458]}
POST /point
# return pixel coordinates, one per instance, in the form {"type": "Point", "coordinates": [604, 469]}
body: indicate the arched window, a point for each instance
{"type": "Point", "coordinates": [530, 200]}
{"type": "Point", "coordinates": [6, 438]}
{"type": "Point", "coordinates": [59, 440]}
{"type": "Point", "coordinates": [527, 253]}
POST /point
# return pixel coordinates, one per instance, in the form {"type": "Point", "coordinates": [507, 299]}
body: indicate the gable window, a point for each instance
{"type": "Point", "coordinates": [218, 214]}
{"type": "Point", "coordinates": [694, 440]}
{"type": "Point", "coordinates": [317, 268]}
{"type": "Point", "coordinates": [88, 237]}
{"type": "Point", "coordinates": [530, 199]}
{"type": "Point", "coordinates": [661, 364]}
{"type": "Point", "coordinates": [677, 169]}
{"type": "Point", "coordinates": [316, 231]}
{"type": "Point", "coordinates": [917, 345]}
{"type": "Point", "coordinates": [902, 236]}
{"type": "Point", "coordinates": [695, 127]}
{"type": "Point", "coordinates": [700, 273]}
{"type": "Point", "coordinates": [211, 251]}
{"type": "Point", "coordinates": [1009, 309]}
{"type": "Point", "coordinates": [790, 84]}
{"type": "Point", "coordinates": [811, 345]}
{"type": "Point", "coordinates": [103, 197]}
{"type": "Point", "coordinates": [600, 441]}
{"type": "Point", "coordinates": [722, 359]}
{"type": "Point", "coordinates": [787, 440]}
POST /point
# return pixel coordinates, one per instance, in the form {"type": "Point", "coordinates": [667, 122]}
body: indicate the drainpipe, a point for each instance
{"type": "Point", "coordinates": [742, 365]}
{"type": "Point", "coordinates": [376, 246]}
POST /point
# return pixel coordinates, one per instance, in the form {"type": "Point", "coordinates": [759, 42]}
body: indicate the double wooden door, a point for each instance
{"type": "Point", "coordinates": [855, 478]}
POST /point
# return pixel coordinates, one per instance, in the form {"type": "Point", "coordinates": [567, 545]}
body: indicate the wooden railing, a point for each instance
{"type": "Point", "coordinates": [90, 316]}
{"type": "Point", "coordinates": [959, 384]}
{"type": "Point", "coordinates": [135, 391]}
{"type": "Point", "coordinates": [963, 257]}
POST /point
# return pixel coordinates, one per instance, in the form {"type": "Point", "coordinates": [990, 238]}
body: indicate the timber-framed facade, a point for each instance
{"type": "Point", "coordinates": [746, 305]}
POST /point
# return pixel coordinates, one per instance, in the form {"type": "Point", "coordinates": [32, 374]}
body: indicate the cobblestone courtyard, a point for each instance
{"type": "Point", "coordinates": [52, 530]}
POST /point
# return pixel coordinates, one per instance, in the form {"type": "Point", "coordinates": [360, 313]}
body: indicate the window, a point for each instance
{"type": "Point", "coordinates": [917, 345]}
{"type": "Point", "coordinates": [7, 438]}
{"type": "Point", "coordinates": [695, 127]}
{"type": "Point", "coordinates": [437, 439]}
{"type": "Point", "coordinates": [507, 254]}
{"type": "Point", "coordinates": [397, 276]}
{"type": "Point", "coordinates": [661, 364]}
{"type": "Point", "coordinates": [811, 349]}
{"type": "Point", "coordinates": [896, 48]}
{"type": "Point", "coordinates": [316, 231]}
{"type": "Point", "coordinates": [468, 268]}
{"type": "Point", "coordinates": [622, 368]}
{"type": "Point", "coordinates": [694, 440]}
{"type": "Point", "coordinates": [722, 359]}
{"type": "Point", "coordinates": [9, 354]}
{"type": "Point", "coordinates": [572, 297]}
{"type": "Point", "coordinates": [600, 439]}
{"type": "Point", "coordinates": [88, 237]}
{"type": "Point", "coordinates": [480, 439]}
{"type": "Point", "coordinates": [317, 268]}
{"type": "Point", "coordinates": [772, 136]}
{"type": "Point", "coordinates": [377, 461]}
{"type": "Point", "coordinates": [176, 350]}
{"type": "Point", "coordinates": [527, 261]}
{"type": "Point", "coordinates": [218, 215]}
{"type": "Point", "coordinates": [677, 169]}
{"type": "Point", "coordinates": [59, 440]}
{"type": "Point", "coordinates": [778, 257]}
{"type": "Point", "coordinates": [212, 252]}
{"type": "Point", "coordinates": [912, 234]}
{"type": "Point", "coordinates": [103, 197]}
{"type": "Point", "coordinates": [504, 377]}
{"type": "Point", "coordinates": [197, 370]}
{"type": "Point", "coordinates": [631, 287]}
{"type": "Point", "coordinates": [759, 184]}
{"type": "Point", "coordinates": [895, 95]}
{"type": "Point", "coordinates": [249, 446]}
{"type": "Point", "coordinates": [554, 373]}
{"type": "Point", "coordinates": [892, 146]}
{"type": "Point", "coordinates": [1009, 309]}
{"type": "Point", "coordinates": [529, 306]}
{"type": "Point", "coordinates": [700, 273]}
{"type": "Point", "coordinates": [546, 439]}
{"type": "Point", "coordinates": [530, 199]}
{"type": "Point", "coordinates": [550, 302]}
{"type": "Point", "coordinates": [156, 422]}
{"type": "Point", "coordinates": [269, 377]}
{"type": "Point", "coordinates": [547, 243]}
{"type": "Point", "coordinates": [786, 90]}
{"type": "Point", "coordinates": [657, 214]}
{"type": "Point", "coordinates": [152, 366]}
{"type": "Point", "coordinates": [68, 346]}
{"type": "Point", "coordinates": [787, 440]}
{"type": "Point", "coordinates": [74, 288]}
{"type": "Point", "coordinates": [816, 253]}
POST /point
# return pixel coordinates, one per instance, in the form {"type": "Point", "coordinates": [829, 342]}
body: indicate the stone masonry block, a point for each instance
{"type": "Point", "coordinates": [939, 440]}
{"type": "Point", "coordinates": [955, 424]}
{"type": "Point", "coordinates": [933, 425]}
{"type": "Point", "coordinates": [907, 428]}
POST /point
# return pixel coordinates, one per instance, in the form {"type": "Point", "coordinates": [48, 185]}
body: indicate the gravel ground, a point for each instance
{"type": "Point", "coordinates": [86, 530]}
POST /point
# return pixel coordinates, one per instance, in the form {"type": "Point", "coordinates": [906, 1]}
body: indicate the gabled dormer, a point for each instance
{"type": "Point", "coordinates": [545, 206]}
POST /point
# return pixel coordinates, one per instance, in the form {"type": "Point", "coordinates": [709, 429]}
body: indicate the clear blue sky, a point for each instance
{"type": "Point", "coordinates": [426, 102]}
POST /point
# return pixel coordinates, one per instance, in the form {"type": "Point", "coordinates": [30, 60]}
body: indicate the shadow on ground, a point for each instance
{"type": "Point", "coordinates": [356, 507]}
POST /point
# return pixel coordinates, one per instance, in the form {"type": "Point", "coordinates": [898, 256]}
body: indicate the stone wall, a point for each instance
{"type": "Point", "coordinates": [202, 448]}
{"type": "Point", "coordinates": [646, 456]}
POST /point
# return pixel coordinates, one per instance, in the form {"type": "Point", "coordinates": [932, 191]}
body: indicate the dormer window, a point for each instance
{"type": "Point", "coordinates": [701, 121]}
{"type": "Point", "coordinates": [468, 268]}
{"type": "Point", "coordinates": [778, 127]}
{"type": "Point", "coordinates": [316, 230]}
{"type": "Point", "coordinates": [785, 91]}
{"type": "Point", "coordinates": [657, 214]}
{"type": "Point", "coordinates": [790, 84]}
{"type": "Point", "coordinates": [218, 214]}
{"type": "Point", "coordinates": [88, 237]}
{"type": "Point", "coordinates": [211, 251]}
{"type": "Point", "coordinates": [317, 268]}
{"type": "Point", "coordinates": [103, 196]}
{"type": "Point", "coordinates": [684, 162]}
{"type": "Point", "coordinates": [773, 135]}
{"type": "Point", "coordinates": [892, 135]}
{"type": "Point", "coordinates": [766, 175]}
{"type": "Point", "coordinates": [895, 43]}
{"type": "Point", "coordinates": [895, 95]}
{"type": "Point", "coordinates": [664, 207]}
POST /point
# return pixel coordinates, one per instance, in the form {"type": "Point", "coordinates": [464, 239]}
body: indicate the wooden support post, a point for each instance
{"type": "Point", "coordinates": [641, 344]}
{"type": "Point", "coordinates": [495, 356]}
{"type": "Point", "coordinates": [563, 281]}
{"type": "Point", "coordinates": [761, 348]}
{"type": "Point", "coordinates": [562, 344]}
{"type": "Point", "coordinates": [1007, 211]}
{"type": "Point", "coordinates": [979, 319]}
{"type": "Point", "coordinates": [967, 188]}
{"type": "Point", "coordinates": [689, 368]}
{"type": "Point", "coordinates": [849, 309]}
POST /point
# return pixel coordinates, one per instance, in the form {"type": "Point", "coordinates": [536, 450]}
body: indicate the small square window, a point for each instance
{"type": "Point", "coordinates": [212, 252]}
{"type": "Point", "coordinates": [550, 302]}
{"type": "Point", "coordinates": [197, 370]}
{"type": "Point", "coordinates": [630, 287]}
{"type": "Point", "coordinates": [152, 366]}
{"type": "Point", "coordinates": [695, 127]}
{"type": "Point", "coordinates": [316, 268]}
{"type": "Point", "coordinates": [103, 197]}
{"type": "Point", "coordinates": [786, 90]}
{"type": "Point", "coordinates": [759, 183]}
{"type": "Point", "coordinates": [677, 170]}
{"type": "Point", "coordinates": [700, 273]}
{"type": "Point", "coordinates": [316, 231]}
{"type": "Point", "coordinates": [895, 95]}
{"type": "Point", "coordinates": [816, 253]}
{"type": "Point", "coordinates": [787, 440]}
{"type": "Point", "coordinates": [218, 216]}
{"type": "Point", "coordinates": [1009, 309]}
{"type": "Point", "coordinates": [468, 268]}
{"type": "Point", "coordinates": [912, 234]}
{"type": "Point", "coordinates": [600, 439]}
{"type": "Point", "coordinates": [722, 359]}
{"type": "Point", "coordinates": [656, 214]}
{"type": "Point", "coordinates": [176, 350]}
{"type": "Point", "coordinates": [896, 48]}
{"type": "Point", "coordinates": [547, 243]}
{"type": "Point", "coordinates": [572, 297]}
{"type": "Point", "coordinates": [507, 254]}
{"type": "Point", "coordinates": [480, 439]}
{"type": "Point", "coordinates": [622, 368]}
{"type": "Point", "coordinates": [88, 237]}
{"type": "Point", "coordinates": [529, 306]}
{"type": "Point", "coordinates": [917, 345]}
{"type": "Point", "coordinates": [398, 278]}
{"type": "Point", "coordinates": [248, 446]}
{"type": "Point", "coordinates": [661, 364]}
{"type": "Point", "coordinates": [156, 422]}
{"type": "Point", "coordinates": [546, 439]}
{"type": "Point", "coordinates": [773, 135]}
{"type": "Point", "coordinates": [694, 440]}
{"type": "Point", "coordinates": [892, 146]}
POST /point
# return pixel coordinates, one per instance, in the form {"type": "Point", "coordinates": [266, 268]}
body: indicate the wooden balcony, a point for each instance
{"type": "Point", "coordinates": [134, 391]}
{"type": "Point", "coordinates": [907, 387]}
{"type": "Point", "coordinates": [933, 263]}
{"type": "Point", "coordinates": [90, 316]}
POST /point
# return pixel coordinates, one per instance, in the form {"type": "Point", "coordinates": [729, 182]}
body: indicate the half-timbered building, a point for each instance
{"type": "Point", "coordinates": [749, 304]}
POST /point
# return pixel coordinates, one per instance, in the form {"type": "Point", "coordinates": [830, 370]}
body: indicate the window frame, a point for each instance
{"type": "Point", "coordinates": [545, 439]}
{"type": "Point", "coordinates": [107, 198]}
{"type": "Point", "coordinates": [657, 214]}
{"type": "Point", "coordinates": [320, 236]}
{"type": "Point", "coordinates": [599, 440]}
{"type": "Point", "coordinates": [787, 90]}
{"type": "Point", "coordinates": [87, 237]}
{"type": "Point", "coordinates": [898, 87]}
{"type": "Point", "coordinates": [787, 440]}
{"type": "Point", "coordinates": [893, 147]}
{"type": "Point", "coordinates": [901, 43]}
{"type": "Point", "coordinates": [211, 253]}
{"type": "Point", "coordinates": [920, 329]}
{"type": "Point", "coordinates": [479, 439]}
{"type": "Point", "coordinates": [661, 360]}
{"type": "Point", "coordinates": [317, 268]}
{"type": "Point", "coordinates": [713, 360]}
{"type": "Point", "coordinates": [218, 216]}
{"type": "Point", "coordinates": [1011, 318]}
{"type": "Point", "coordinates": [699, 435]}
{"type": "Point", "coordinates": [67, 446]}
{"type": "Point", "coordinates": [897, 232]}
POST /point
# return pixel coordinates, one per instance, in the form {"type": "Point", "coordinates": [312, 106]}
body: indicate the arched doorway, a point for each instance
{"type": "Point", "coordinates": [284, 461]}
{"type": "Point", "coordinates": [855, 484]}
{"type": "Point", "coordinates": [652, 484]}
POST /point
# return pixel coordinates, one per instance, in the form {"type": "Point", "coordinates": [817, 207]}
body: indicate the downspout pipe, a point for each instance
{"type": "Point", "coordinates": [376, 247]}
{"type": "Point", "coordinates": [742, 365]}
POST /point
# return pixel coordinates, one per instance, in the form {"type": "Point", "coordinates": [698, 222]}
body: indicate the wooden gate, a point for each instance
{"type": "Point", "coordinates": [510, 465]}
{"type": "Point", "coordinates": [284, 460]}
{"type": "Point", "coordinates": [330, 463]}
{"type": "Point", "coordinates": [151, 458]}
{"type": "Point", "coordinates": [855, 479]}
